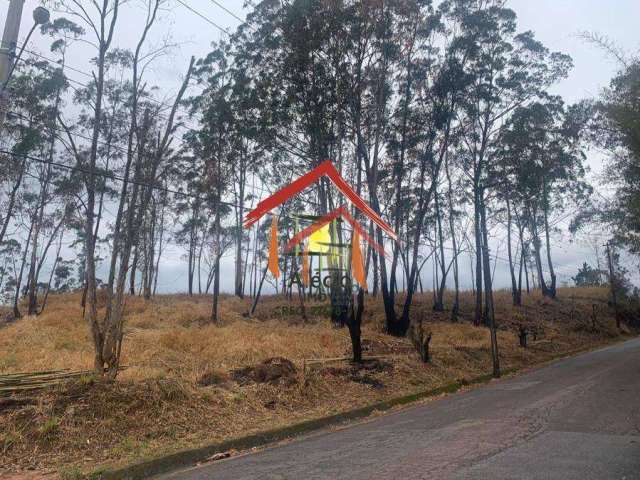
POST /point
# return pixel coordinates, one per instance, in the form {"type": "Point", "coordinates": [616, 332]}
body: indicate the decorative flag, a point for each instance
{"type": "Point", "coordinates": [357, 261]}
{"type": "Point", "coordinates": [306, 277]}
{"type": "Point", "coordinates": [273, 248]}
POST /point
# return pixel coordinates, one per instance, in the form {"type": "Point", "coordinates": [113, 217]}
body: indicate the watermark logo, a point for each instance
{"type": "Point", "coordinates": [321, 237]}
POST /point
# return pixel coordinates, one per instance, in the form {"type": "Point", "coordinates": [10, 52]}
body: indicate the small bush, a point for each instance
{"type": "Point", "coordinates": [72, 473]}
{"type": "Point", "coordinates": [49, 428]}
{"type": "Point", "coordinates": [7, 440]}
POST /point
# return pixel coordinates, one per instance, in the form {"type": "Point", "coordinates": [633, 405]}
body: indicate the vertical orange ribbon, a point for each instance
{"type": "Point", "coordinates": [274, 267]}
{"type": "Point", "coordinates": [305, 267]}
{"type": "Point", "coordinates": [357, 261]}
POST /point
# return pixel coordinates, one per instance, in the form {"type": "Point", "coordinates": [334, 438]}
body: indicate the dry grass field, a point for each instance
{"type": "Point", "coordinates": [189, 383]}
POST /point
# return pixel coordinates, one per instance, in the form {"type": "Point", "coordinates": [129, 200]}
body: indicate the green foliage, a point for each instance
{"type": "Point", "coordinates": [588, 276]}
{"type": "Point", "coordinates": [72, 473]}
{"type": "Point", "coordinates": [7, 440]}
{"type": "Point", "coordinates": [49, 427]}
{"type": "Point", "coordinates": [621, 133]}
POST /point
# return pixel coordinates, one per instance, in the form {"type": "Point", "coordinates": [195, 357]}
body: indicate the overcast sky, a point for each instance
{"type": "Point", "coordinates": [556, 23]}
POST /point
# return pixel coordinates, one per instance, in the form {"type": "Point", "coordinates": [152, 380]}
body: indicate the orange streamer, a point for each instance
{"type": "Point", "coordinates": [274, 267]}
{"type": "Point", "coordinates": [357, 261]}
{"type": "Point", "coordinates": [305, 267]}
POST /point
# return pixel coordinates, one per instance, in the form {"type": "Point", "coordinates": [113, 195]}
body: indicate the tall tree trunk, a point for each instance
{"type": "Point", "coordinates": [215, 314]}
{"type": "Point", "coordinates": [439, 303]}
{"type": "Point", "coordinates": [515, 291]}
{"type": "Point", "coordinates": [537, 248]}
{"type": "Point", "coordinates": [239, 271]}
{"type": "Point", "coordinates": [491, 320]}
{"type": "Point", "coordinates": [455, 309]}
{"type": "Point", "coordinates": [12, 199]}
{"type": "Point", "coordinates": [354, 325]}
{"type": "Point", "coordinates": [134, 268]}
{"type": "Point", "coordinates": [551, 291]}
{"type": "Point", "coordinates": [23, 261]}
{"type": "Point", "coordinates": [53, 271]}
{"type": "Point", "coordinates": [477, 319]}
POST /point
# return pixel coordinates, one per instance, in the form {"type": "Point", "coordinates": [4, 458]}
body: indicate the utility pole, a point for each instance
{"type": "Point", "coordinates": [614, 297]}
{"type": "Point", "coordinates": [7, 51]}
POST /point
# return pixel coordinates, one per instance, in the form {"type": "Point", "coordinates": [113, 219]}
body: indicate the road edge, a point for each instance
{"type": "Point", "coordinates": [191, 457]}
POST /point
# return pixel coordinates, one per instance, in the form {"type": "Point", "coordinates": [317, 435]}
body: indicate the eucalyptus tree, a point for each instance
{"type": "Point", "coordinates": [100, 19]}
{"type": "Point", "coordinates": [617, 129]}
{"type": "Point", "coordinates": [544, 146]}
{"type": "Point", "coordinates": [426, 125]}
{"type": "Point", "coordinates": [297, 58]}
{"type": "Point", "coordinates": [135, 146]}
{"type": "Point", "coordinates": [34, 107]}
{"type": "Point", "coordinates": [34, 102]}
{"type": "Point", "coordinates": [455, 196]}
{"type": "Point", "coordinates": [507, 70]}
{"type": "Point", "coordinates": [217, 147]}
{"type": "Point", "coordinates": [152, 136]}
{"type": "Point", "coordinates": [247, 142]}
{"type": "Point", "coordinates": [52, 184]}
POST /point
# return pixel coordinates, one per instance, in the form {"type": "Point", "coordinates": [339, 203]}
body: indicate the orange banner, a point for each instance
{"type": "Point", "coordinates": [357, 261]}
{"type": "Point", "coordinates": [306, 273]}
{"type": "Point", "coordinates": [274, 267]}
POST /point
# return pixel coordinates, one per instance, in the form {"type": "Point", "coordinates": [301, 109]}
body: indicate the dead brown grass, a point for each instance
{"type": "Point", "coordinates": [159, 402]}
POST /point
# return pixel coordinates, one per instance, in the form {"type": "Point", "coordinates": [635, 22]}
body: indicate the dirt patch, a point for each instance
{"type": "Point", "coordinates": [273, 370]}
{"type": "Point", "coordinates": [390, 346]}
{"type": "Point", "coordinates": [213, 377]}
{"type": "Point", "coordinates": [370, 372]}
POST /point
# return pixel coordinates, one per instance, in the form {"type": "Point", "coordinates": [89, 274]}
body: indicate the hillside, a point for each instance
{"type": "Point", "coordinates": [188, 382]}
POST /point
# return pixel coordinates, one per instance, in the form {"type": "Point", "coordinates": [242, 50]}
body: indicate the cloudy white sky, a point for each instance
{"type": "Point", "coordinates": [556, 23]}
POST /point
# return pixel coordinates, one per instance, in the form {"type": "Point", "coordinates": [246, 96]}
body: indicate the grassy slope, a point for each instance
{"type": "Point", "coordinates": [157, 406]}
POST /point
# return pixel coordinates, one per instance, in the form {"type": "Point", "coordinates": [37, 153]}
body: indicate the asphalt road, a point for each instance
{"type": "Point", "coordinates": [575, 419]}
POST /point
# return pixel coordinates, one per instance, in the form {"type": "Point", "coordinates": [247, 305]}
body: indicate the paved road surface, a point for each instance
{"type": "Point", "coordinates": [575, 419]}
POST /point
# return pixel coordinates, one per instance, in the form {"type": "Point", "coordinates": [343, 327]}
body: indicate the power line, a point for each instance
{"type": "Point", "coordinates": [113, 176]}
{"type": "Point", "coordinates": [205, 18]}
{"type": "Point", "coordinates": [107, 144]}
{"type": "Point", "coordinates": [68, 67]}
{"type": "Point", "coordinates": [227, 10]}
{"type": "Point", "coordinates": [185, 127]}
{"type": "Point", "coordinates": [74, 134]}
{"type": "Point", "coordinates": [82, 72]}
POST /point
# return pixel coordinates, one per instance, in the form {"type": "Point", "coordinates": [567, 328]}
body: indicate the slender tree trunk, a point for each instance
{"type": "Point", "coordinates": [239, 271]}
{"type": "Point", "coordinates": [12, 200]}
{"type": "Point", "coordinates": [215, 314]}
{"type": "Point", "coordinates": [439, 304]}
{"type": "Point", "coordinates": [489, 292]}
{"type": "Point", "coordinates": [354, 325]}
{"type": "Point", "coordinates": [132, 276]}
{"type": "Point", "coordinates": [477, 319]}
{"type": "Point", "coordinates": [53, 271]}
{"type": "Point", "coordinates": [454, 244]}
{"type": "Point", "coordinates": [199, 263]}
{"type": "Point", "coordinates": [515, 291]}
{"type": "Point", "coordinates": [552, 292]}
{"type": "Point", "coordinates": [23, 261]}
{"type": "Point", "coordinates": [193, 236]}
